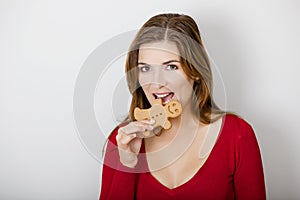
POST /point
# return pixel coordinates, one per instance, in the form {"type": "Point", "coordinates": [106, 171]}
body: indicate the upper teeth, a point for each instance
{"type": "Point", "coordinates": [162, 95]}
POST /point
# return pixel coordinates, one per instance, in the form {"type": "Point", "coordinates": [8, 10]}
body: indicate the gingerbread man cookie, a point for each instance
{"type": "Point", "coordinates": [159, 113]}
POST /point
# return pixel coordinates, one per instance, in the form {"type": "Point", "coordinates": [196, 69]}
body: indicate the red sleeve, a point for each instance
{"type": "Point", "coordinates": [117, 180]}
{"type": "Point", "coordinates": [249, 177]}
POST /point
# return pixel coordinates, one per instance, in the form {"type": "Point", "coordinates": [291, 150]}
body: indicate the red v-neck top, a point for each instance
{"type": "Point", "coordinates": [233, 170]}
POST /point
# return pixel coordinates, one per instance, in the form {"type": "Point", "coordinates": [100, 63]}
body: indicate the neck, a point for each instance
{"type": "Point", "coordinates": [187, 124]}
{"type": "Point", "coordinates": [185, 121]}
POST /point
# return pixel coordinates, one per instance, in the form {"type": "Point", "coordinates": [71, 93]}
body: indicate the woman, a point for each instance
{"type": "Point", "coordinates": [206, 154]}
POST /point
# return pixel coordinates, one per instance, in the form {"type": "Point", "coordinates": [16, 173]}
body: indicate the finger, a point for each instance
{"type": "Point", "coordinates": [123, 138]}
{"type": "Point", "coordinates": [146, 122]}
{"type": "Point", "coordinates": [118, 137]}
{"type": "Point", "coordinates": [135, 127]}
{"type": "Point", "coordinates": [128, 159]}
{"type": "Point", "coordinates": [150, 133]}
{"type": "Point", "coordinates": [126, 139]}
{"type": "Point", "coordinates": [132, 129]}
{"type": "Point", "coordinates": [136, 145]}
{"type": "Point", "coordinates": [146, 134]}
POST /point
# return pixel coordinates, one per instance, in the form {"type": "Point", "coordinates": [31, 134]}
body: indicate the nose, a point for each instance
{"type": "Point", "coordinates": [158, 78]}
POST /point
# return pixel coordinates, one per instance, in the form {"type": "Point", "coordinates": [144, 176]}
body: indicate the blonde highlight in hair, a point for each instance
{"type": "Point", "coordinates": [182, 30]}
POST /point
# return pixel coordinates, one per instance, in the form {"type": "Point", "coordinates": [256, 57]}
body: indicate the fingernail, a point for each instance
{"type": "Point", "coordinates": [150, 127]}
{"type": "Point", "coordinates": [133, 135]}
{"type": "Point", "coordinates": [152, 121]}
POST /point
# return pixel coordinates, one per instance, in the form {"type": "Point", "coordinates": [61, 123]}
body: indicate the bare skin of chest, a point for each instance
{"type": "Point", "coordinates": [177, 171]}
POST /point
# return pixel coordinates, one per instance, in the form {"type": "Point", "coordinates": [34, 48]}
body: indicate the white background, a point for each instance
{"type": "Point", "coordinates": [43, 44]}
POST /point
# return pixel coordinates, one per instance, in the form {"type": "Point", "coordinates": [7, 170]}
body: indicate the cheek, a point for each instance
{"type": "Point", "coordinates": [144, 84]}
{"type": "Point", "coordinates": [185, 90]}
{"type": "Point", "coordinates": [146, 88]}
{"type": "Point", "coordinates": [183, 83]}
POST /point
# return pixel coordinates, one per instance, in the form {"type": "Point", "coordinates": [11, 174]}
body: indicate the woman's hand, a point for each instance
{"type": "Point", "coordinates": [129, 140]}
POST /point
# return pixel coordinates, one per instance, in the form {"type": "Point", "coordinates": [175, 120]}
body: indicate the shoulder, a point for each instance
{"type": "Point", "coordinates": [113, 134]}
{"type": "Point", "coordinates": [236, 121]}
{"type": "Point", "coordinates": [238, 126]}
{"type": "Point", "coordinates": [240, 137]}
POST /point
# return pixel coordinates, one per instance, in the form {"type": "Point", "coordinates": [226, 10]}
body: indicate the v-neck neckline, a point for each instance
{"type": "Point", "coordinates": [191, 181]}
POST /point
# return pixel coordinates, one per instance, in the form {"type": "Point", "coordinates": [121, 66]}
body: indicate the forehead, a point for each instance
{"type": "Point", "coordinates": [158, 52]}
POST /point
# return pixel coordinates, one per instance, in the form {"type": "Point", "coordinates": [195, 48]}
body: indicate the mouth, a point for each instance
{"type": "Point", "coordinates": [166, 97]}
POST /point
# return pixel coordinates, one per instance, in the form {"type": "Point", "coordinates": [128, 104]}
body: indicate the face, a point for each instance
{"type": "Point", "coordinates": [161, 74]}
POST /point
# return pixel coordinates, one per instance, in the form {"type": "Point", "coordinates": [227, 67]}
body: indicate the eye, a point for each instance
{"type": "Point", "coordinates": [144, 68]}
{"type": "Point", "coordinates": [171, 67]}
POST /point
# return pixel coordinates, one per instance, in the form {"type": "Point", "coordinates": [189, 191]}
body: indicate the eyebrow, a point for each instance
{"type": "Point", "coordinates": [164, 63]}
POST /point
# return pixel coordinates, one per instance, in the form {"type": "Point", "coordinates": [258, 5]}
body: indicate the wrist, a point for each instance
{"type": "Point", "coordinates": [130, 161]}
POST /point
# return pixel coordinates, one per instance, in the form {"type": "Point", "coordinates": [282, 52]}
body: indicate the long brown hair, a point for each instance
{"type": "Point", "coordinates": [182, 30]}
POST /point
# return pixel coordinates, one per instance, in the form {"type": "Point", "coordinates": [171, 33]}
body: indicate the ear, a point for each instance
{"type": "Point", "coordinates": [195, 78]}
